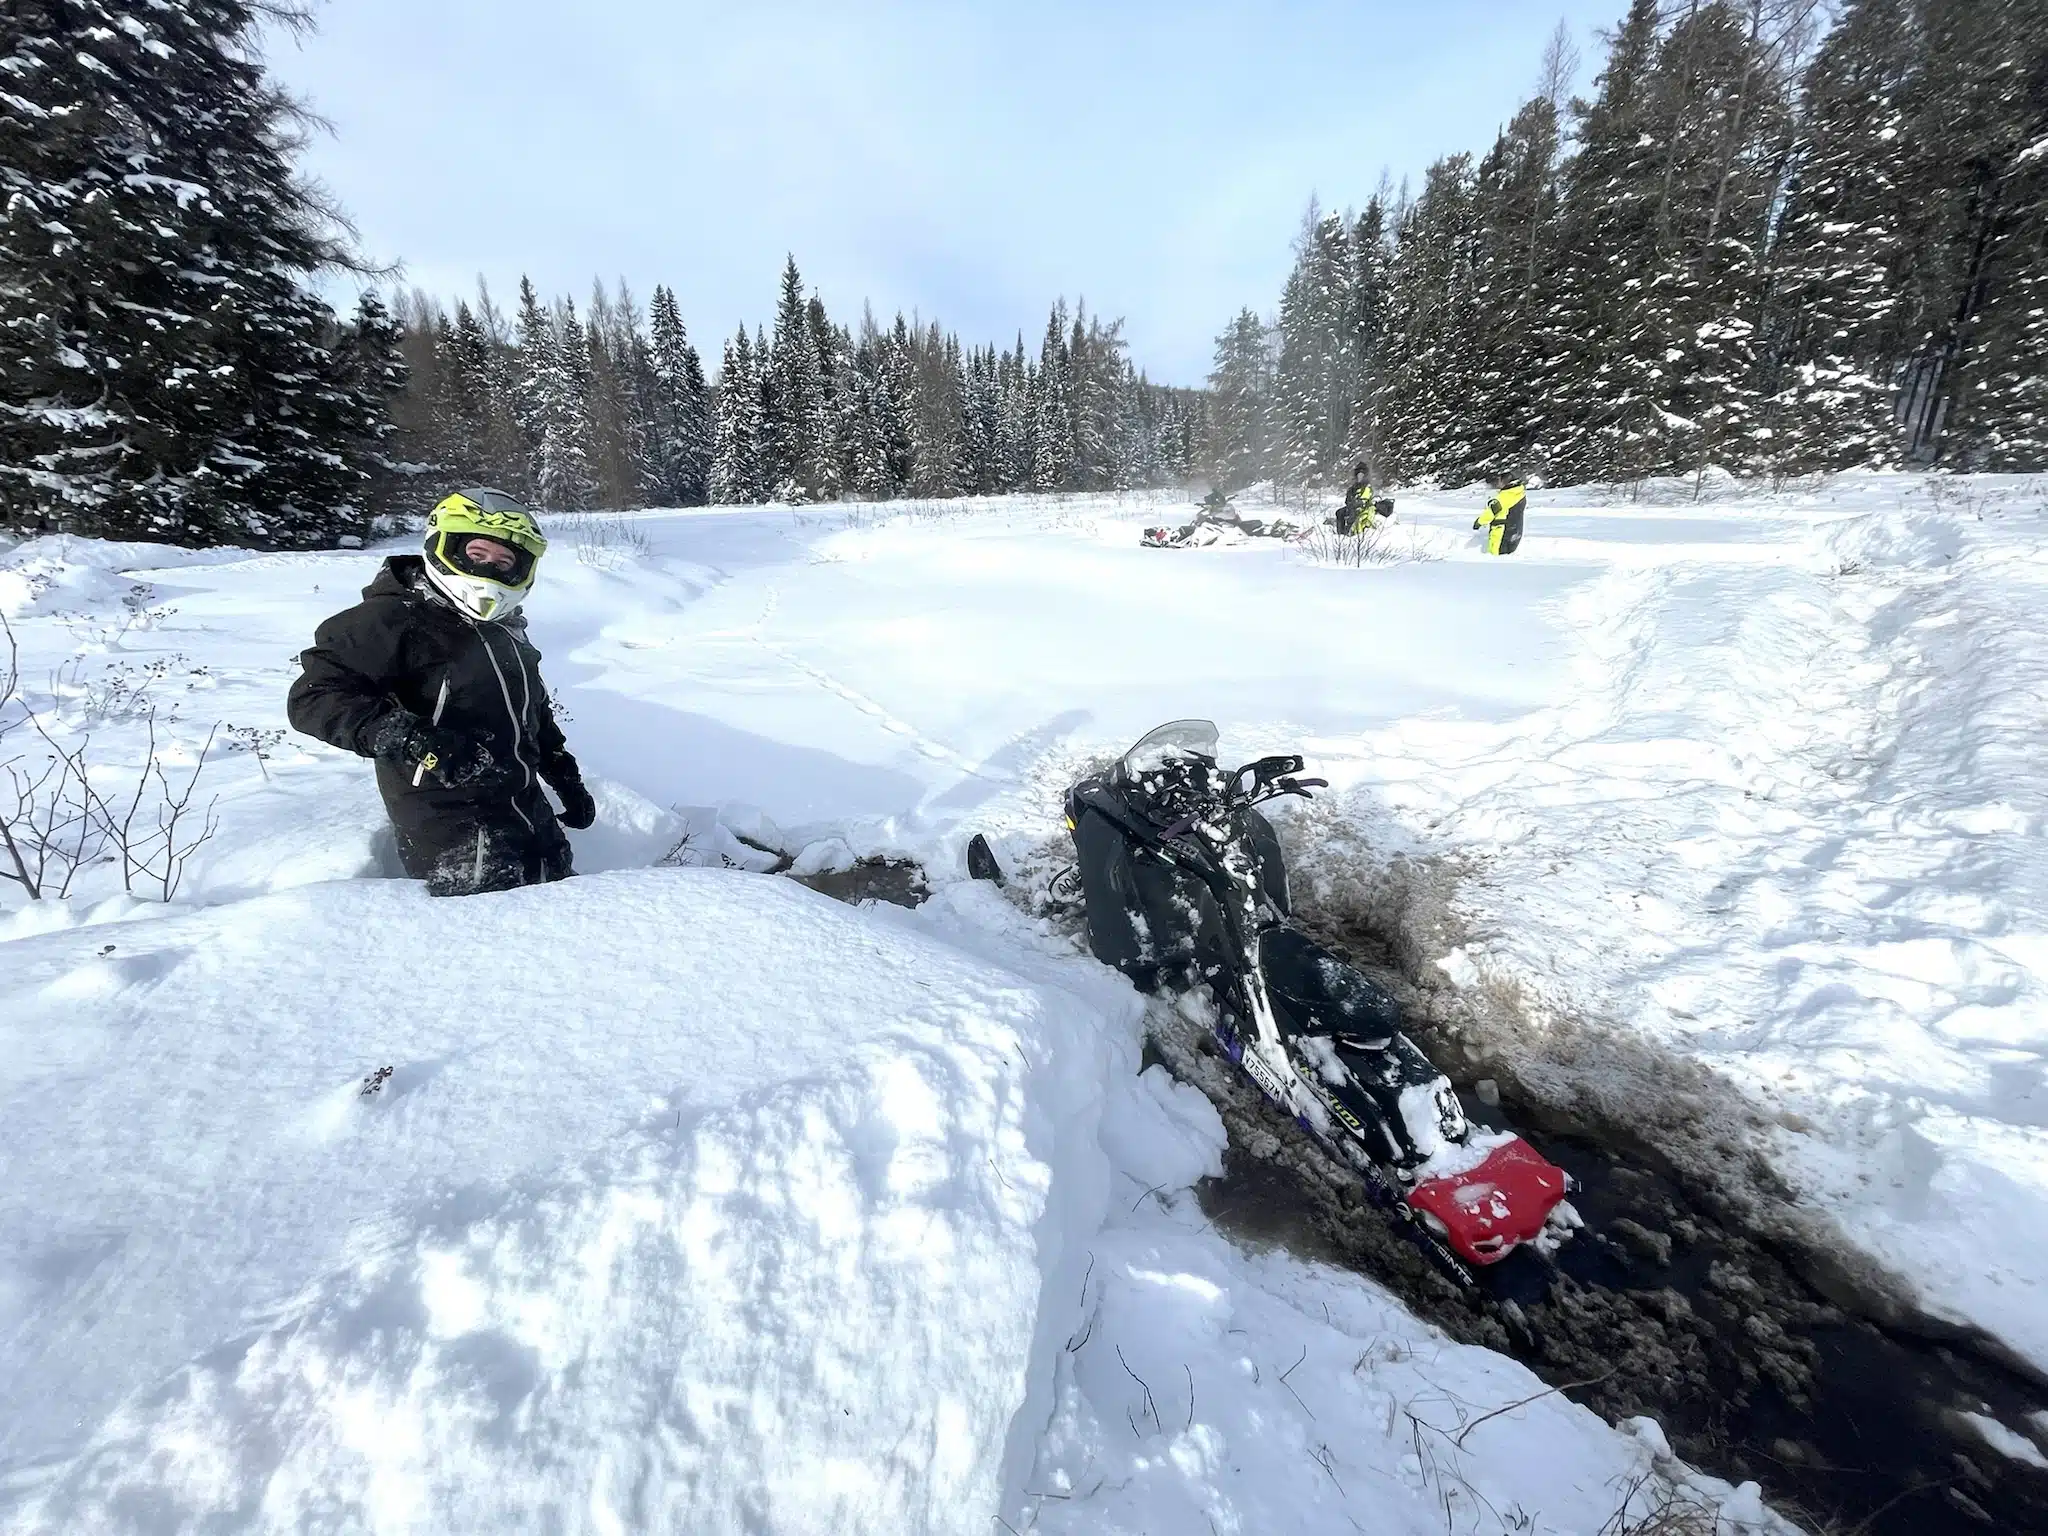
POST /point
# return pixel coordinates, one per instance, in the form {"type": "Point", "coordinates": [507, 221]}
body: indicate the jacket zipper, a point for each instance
{"type": "Point", "coordinates": [518, 734]}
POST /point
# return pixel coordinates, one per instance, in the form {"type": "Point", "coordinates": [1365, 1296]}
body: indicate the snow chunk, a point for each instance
{"type": "Point", "coordinates": [828, 856]}
{"type": "Point", "coordinates": [1459, 967]}
{"type": "Point", "coordinates": [2005, 1441]}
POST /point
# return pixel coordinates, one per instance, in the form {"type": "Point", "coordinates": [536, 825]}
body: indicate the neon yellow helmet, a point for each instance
{"type": "Point", "coordinates": [483, 588]}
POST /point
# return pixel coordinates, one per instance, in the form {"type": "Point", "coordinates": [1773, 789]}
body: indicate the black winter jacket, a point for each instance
{"type": "Point", "coordinates": [392, 652]}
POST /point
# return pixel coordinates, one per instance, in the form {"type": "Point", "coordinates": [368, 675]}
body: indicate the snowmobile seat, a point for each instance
{"type": "Point", "coordinates": [1315, 993]}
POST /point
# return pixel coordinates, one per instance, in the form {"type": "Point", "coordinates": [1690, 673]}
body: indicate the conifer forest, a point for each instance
{"type": "Point", "coordinates": [1775, 237]}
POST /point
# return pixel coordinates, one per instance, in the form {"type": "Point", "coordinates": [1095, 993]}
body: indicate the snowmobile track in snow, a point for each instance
{"type": "Point", "coordinates": [1761, 1357]}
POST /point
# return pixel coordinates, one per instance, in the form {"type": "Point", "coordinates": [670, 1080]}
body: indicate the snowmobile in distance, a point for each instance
{"type": "Point", "coordinates": [1185, 889]}
{"type": "Point", "coordinates": [1217, 522]}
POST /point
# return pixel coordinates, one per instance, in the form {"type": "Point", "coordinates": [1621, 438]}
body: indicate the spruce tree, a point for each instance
{"type": "Point", "coordinates": [164, 370]}
{"type": "Point", "coordinates": [377, 375]}
{"type": "Point", "coordinates": [1424, 404]}
{"type": "Point", "coordinates": [1241, 447]}
{"type": "Point", "coordinates": [1834, 340]}
{"type": "Point", "coordinates": [683, 435]}
{"type": "Point", "coordinates": [736, 456]}
{"type": "Point", "coordinates": [795, 423]}
{"type": "Point", "coordinates": [1981, 115]}
{"type": "Point", "coordinates": [1314, 382]}
{"type": "Point", "coordinates": [1599, 392]}
{"type": "Point", "coordinates": [1052, 419]}
{"type": "Point", "coordinates": [549, 392]}
{"type": "Point", "coordinates": [490, 445]}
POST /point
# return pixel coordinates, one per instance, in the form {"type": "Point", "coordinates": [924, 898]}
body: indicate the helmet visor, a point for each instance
{"type": "Point", "coordinates": [484, 558]}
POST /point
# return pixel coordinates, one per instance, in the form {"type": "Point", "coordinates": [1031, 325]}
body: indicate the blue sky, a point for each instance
{"type": "Point", "coordinates": [968, 161]}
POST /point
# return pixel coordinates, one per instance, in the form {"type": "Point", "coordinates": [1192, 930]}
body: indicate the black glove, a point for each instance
{"type": "Point", "coordinates": [447, 757]}
{"type": "Point", "coordinates": [578, 809]}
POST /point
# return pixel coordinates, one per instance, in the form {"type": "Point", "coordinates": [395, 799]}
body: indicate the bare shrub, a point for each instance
{"type": "Point", "coordinates": [55, 822]}
{"type": "Point", "coordinates": [606, 540]}
{"type": "Point", "coordinates": [1670, 1511]}
{"type": "Point", "coordinates": [1383, 544]}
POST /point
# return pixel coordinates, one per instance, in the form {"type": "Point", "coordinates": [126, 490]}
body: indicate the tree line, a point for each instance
{"type": "Point", "coordinates": [1762, 245]}
{"type": "Point", "coordinates": [603, 409]}
{"type": "Point", "coordinates": [169, 370]}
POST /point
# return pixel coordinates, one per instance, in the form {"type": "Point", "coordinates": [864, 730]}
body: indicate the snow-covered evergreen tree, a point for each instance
{"type": "Point", "coordinates": [1424, 406]}
{"type": "Point", "coordinates": [1241, 437]}
{"type": "Point", "coordinates": [1981, 115]}
{"type": "Point", "coordinates": [1599, 390]}
{"type": "Point", "coordinates": [1013, 419]}
{"type": "Point", "coordinates": [736, 452]}
{"type": "Point", "coordinates": [795, 427]}
{"type": "Point", "coordinates": [1052, 416]}
{"type": "Point", "coordinates": [551, 364]}
{"type": "Point", "coordinates": [1834, 341]}
{"type": "Point", "coordinates": [378, 375]}
{"type": "Point", "coordinates": [1315, 379]}
{"type": "Point", "coordinates": [682, 415]}
{"type": "Point", "coordinates": [164, 370]}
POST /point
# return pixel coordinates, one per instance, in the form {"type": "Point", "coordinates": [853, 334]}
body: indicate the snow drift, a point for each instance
{"type": "Point", "coordinates": [692, 1201]}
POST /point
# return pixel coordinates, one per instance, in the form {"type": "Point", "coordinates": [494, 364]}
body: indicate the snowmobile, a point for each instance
{"type": "Point", "coordinates": [1341, 521]}
{"type": "Point", "coordinates": [1217, 522]}
{"type": "Point", "coordinates": [1185, 889]}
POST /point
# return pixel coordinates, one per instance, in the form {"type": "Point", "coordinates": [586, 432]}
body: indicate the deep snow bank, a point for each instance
{"type": "Point", "coordinates": [694, 1201]}
{"type": "Point", "coordinates": [1790, 823]}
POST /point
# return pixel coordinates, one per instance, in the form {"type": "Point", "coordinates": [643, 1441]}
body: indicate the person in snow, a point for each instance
{"type": "Point", "coordinates": [1217, 508]}
{"type": "Point", "coordinates": [432, 676]}
{"type": "Point", "coordinates": [1359, 513]}
{"type": "Point", "coordinates": [1501, 522]}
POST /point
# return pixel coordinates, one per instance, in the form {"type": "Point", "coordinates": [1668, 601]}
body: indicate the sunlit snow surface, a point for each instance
{"type": "Point", "coordinates": [698, 1202]}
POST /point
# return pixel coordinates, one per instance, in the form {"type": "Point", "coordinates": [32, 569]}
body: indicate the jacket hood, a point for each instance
{"type": "Point", "coordinates": [398, 576]}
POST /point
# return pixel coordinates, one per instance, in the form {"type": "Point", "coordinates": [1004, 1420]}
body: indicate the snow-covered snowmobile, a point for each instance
{"type": "Point", "coordinates": [1217, 522]}
{"type": "Point", "coordinates": [1185, 888]}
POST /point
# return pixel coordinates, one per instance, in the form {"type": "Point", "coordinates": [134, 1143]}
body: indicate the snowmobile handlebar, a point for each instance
{"type": "Point", "coordinates": [1271, 779]}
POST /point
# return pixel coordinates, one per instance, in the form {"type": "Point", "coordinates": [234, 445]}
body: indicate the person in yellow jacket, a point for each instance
{"type": "Point", "coordinates": [1359, 513]}
{"type": "Point", "coordinates": [1501, 522]}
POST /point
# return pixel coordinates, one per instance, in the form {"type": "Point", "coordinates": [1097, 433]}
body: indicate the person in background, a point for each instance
{"type": "Point", "coordinates": [1501, 522]}
{"type": "Point", "coordinates": [431, 676]}
{"type": "Point", "coordinates": [1359, 512]}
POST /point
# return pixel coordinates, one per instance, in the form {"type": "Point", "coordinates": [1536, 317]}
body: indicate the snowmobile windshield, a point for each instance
{"type": "Point", "coordinates": [1168, 744]}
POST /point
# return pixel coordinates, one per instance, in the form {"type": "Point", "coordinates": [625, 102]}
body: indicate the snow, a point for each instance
{"type": "Point", "coordinates": [697, 1201]}
{"type": "Point", "coordinates": [680, 1204]}
{"type": "Point", "coordinates": [1788, 822]}
{"type": "Point", "coordinates": [2005, 1441]}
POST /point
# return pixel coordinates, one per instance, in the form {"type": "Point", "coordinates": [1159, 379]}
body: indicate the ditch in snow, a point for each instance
{"type": "Point", "coordinates": [1666, 1306]}
{"type": "Point", "coordinates": [1663, 1306]}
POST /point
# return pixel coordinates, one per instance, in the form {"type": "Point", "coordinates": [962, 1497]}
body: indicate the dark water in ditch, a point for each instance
{"type": "Point", "coordinates": [1657, 1309]}
{"type": "Point", "coordinates": [895, 881]}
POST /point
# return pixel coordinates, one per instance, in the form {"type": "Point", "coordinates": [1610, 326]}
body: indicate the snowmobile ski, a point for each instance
{"type": "Point", "coordinates": [981, 861]}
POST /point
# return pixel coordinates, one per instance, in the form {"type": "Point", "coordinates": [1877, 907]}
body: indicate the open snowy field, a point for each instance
{"type": "Point", "coordinates": [695, 1201]}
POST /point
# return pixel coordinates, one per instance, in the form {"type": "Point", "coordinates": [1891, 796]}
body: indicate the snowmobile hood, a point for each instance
{"type": "Point", "coordinates": [1488, 1210]}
